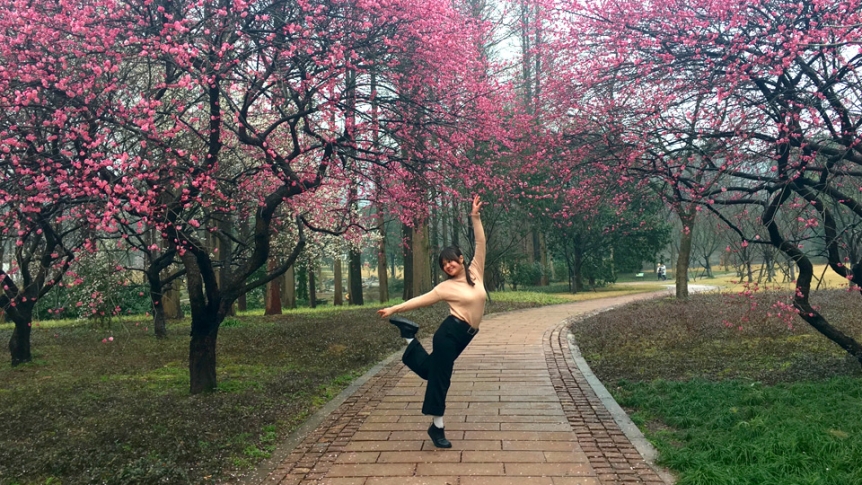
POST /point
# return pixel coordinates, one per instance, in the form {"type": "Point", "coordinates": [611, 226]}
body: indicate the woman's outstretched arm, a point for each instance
{"type": "Point", "coordinates": [420, 301]}
{"type": "Point", "coordinates": [478, 263]}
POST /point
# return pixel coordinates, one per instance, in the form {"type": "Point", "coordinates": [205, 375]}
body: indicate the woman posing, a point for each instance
{"type": "Point", "coordinates": [465, 294]}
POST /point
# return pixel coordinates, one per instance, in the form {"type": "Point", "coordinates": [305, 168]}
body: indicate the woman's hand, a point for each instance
{"type": "Point", "coordinates": [386, 312]}
{"type": "Point", "coordinates": [477, 205]}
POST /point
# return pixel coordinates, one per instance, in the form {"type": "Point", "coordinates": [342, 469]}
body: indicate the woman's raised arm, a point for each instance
{"type": "Point", "coordinates": [478, 263]}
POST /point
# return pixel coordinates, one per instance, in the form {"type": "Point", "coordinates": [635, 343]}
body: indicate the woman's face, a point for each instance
{"type": "Point", "coordinates": [454, 267]}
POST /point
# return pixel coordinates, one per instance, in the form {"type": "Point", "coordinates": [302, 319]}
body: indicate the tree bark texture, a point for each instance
{"type": "Point", "coordinates": [355, 269]}
{"type": "Point", "coordinates": [160, 326]}
{"type": "Point", "coordinates": [202, 360]}
{"type": "Point", "coordinates": [338, 290]}
{"type": "Point", "coordinates": [205, 323]}
{"type": "Point", "coordinates": [171, 301]}
{"type": "Point", "coordinates": [806, 274]}
{"type": "Point", "coordinates": [577, 278]}
{"type": "Point", "coordinates": [19, 343]}
{"type": "Point", "coordinates": [288, 288]}
{"type": "Point", "coordinates": [382, 275]}
{"type": "Point", "coordinates": [684, 256]}
{"type": "Point", "coordinates": [312, 289]}
{"type": "Point", "coordinates": [434, 249]}
{"type": "Point", "coordinates": [546, 264]}
{"type": "Point", "coordinates": [421, 260]}
{"type": "Point", "coordinates": [272, 293]}
{"type": "Point", "coordinates": [407, 253]}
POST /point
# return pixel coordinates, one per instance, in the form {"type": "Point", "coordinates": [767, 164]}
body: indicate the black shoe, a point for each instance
{"type": "Point", "coordinates": [438, 437]}
{"type": "Point", "coordinates": [408, 328]}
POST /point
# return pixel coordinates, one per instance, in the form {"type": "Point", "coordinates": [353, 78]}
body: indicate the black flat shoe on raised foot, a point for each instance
{"type": "Point", "coordinates": [438, 437]}
{"type": "Point", "coordinates": [408, 328]}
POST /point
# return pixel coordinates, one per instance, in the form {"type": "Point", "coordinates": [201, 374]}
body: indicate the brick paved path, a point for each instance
{"type": "Point", "coordinates": [518, 413]}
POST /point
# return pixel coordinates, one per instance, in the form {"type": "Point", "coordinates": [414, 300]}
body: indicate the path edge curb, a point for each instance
{"type": "Point", "coordinates": [626, 425]}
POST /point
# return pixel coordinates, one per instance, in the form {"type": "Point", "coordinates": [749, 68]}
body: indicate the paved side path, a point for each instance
{"type": "Point", "coordinates": [518, 413]}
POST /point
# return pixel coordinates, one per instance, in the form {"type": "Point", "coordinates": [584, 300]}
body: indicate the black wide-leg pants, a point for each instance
{"type": "Point", "coordinates": [449, 341]}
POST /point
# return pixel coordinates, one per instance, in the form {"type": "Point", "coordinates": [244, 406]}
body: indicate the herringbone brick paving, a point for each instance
{"type": "Point", "coordinates": [519, 413]}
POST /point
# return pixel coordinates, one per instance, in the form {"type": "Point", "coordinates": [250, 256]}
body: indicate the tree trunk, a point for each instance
{"type": "Point", "coordinates": [570, 268]}
{"type": "Point", "coordinates": [546, 265]}
{"type": "Point", "coordinates": [312, 289]}
{"type": "Point", "coordinates": [421, 260]}
{"type": "Point", "coordinates": [205, 304]}
{"type": "Point", "coordinates": [494, 278]}
{"type": "Point", "coordinates": [156, 299]}
{"type": "Point", "coordinates": [382, 277]}
{"type": "Point", "coordinates": [338, 297]}
{"type": "Point", "coordinates": [612, 264]}
{"type": "Point", "coordinates": [407, 252]}
{"type": "Point", "coordinates": [812, 316]}
{"type": "Point", "coordinates": [577, 278]}
{"type": "Point", "coordinates": [803, 284]}
{"type": "Point", "coordinates": [355, 269]}
{"type": "Point", "coordinates": [770, 269]}
{"type": "Point", "coordinates": [792, 270]}
{"type": "Point", "coordinates": [19, 343]}
{"type": "Point", "coordinates": [530, 247]}
{"type": "Point", "coordinates": [288, 290]}
{"type": "Point", "coordinates": [302, 282]}
{"type": "Point", "coordinates": [707, 269]}
{"type": "Point", "coordinates": [171, 301]}
{"type": "Point", "coordinates": [434, 248]}
{"type": "Point", "coordinates": [159, 320]}
{"type": "Point", "coordinates": [445, 238]}
{"type": "Point", "coordinates": [225, 249]}
{"type": "Point", "coordinates": [456, 226]}
{"type": "Point", "coordinates": [684, 255]}
{"type": "Point", "coordinates": [272, 298]}
{"type": "Point", "coordinates": [244, 234]}
{"type": "Point", "coordinates": [202, 361]}
{"type": "Point", "coordinates": [382, 280]}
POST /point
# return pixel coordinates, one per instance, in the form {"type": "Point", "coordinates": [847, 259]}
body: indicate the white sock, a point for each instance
{"type": "Point", "coordinates": [438, 421]}
{"type": "Point", "coordinates": [408, 340]}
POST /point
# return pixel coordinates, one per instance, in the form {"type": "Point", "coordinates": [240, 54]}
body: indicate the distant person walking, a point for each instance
{"type": "Point", "coordinates": [464, 291]}
{"type": "Point", "coordinates": [662, 271]}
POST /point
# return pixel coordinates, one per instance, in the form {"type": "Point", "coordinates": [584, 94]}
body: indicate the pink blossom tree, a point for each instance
{"type": "Point", "coordinates": [219, 125]}
{"type": "Point", "coordinates": [56, 77]}
{"type": "Point", "coordinates": [752, 104]}
{"type": "Point", "coordinates": [243, 108]}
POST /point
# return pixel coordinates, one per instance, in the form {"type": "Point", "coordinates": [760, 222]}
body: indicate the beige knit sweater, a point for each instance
{"type": "Point", "coordinates": [465, 302]}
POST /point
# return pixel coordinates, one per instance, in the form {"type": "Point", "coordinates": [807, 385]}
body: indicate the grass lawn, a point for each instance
{"type": "Point", "coordinates": [119, 412]}
{"type": "Point", "coordinates": [561, 290]}
{"type": "Point", "coordinates": [730, 281]}
{"type": "Point", "coordinates": [730, 395]}
{"type": "Point", "coordinates": [823, 275]}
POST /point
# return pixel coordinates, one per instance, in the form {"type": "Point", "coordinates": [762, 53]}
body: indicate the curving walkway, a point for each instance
{"type": "Point", "coordinates": [519, 412]}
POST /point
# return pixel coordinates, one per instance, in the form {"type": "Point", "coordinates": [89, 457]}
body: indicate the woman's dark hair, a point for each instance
{"type": "Point", "coordinates": [453, 253]}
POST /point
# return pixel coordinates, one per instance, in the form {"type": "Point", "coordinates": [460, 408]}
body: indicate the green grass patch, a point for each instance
{"type": "Point", "coordinates": [534, 297]}
{"type": "Point", "coordinates": [741, 432]}
{"type": "Point", "coordinates": [561, 294]}
{"type": "Point", "coordinates": [731, 394]}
